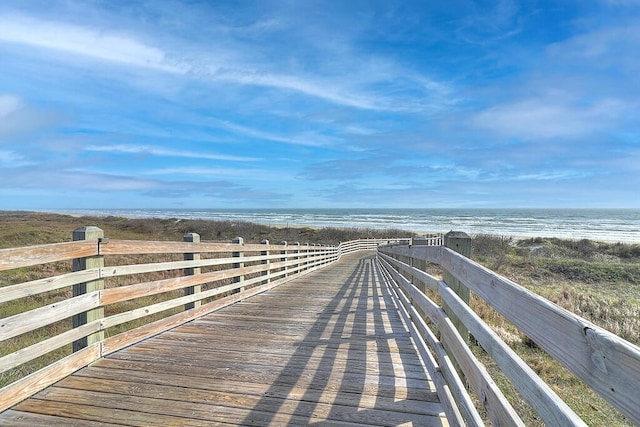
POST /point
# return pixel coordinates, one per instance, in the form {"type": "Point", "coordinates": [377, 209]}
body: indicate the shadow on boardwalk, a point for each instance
{"type": "Point", "coordinates": [359, 358]}
{"type": "Point", "coordinates": [328, 348]}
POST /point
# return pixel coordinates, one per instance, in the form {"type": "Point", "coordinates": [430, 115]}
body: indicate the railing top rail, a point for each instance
{"type": "Point", "coordinates": [43, 254]}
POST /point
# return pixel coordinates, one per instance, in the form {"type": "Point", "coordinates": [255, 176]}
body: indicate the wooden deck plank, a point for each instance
{"type": "Point", "coordinates": [13, 417]}
{"type": "Point", "coordinates": [326, 348]}
{"type": "Point", "coordinates": [224, 355]}
{"type": "Point", "coordinates": [364, 400]}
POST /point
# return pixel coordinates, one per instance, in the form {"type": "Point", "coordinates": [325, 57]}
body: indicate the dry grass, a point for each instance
{"type": "Point", "coordinates": [598, 281]}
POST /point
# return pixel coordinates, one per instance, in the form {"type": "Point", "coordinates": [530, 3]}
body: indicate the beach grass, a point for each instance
{"type": "Point", "coordinates": [599, 281]}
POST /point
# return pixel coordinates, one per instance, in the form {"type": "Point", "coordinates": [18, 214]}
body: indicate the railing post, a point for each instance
{"type": "Point", "coordinates": [460, 242]}
{"type": "Point", "coordinates": [297, 258]}
{"type": "Point", "coordinates": [419, 264]}
{"type": "Point", "coordinates": [307, 254]}
{"type": "Point", "coordinates": [283, 252]}
{"type": "Point", "coordinates": [238, 279]}
{"type": "Point", "coordinates": [192, 238]}
{"type": "Point", "coordinates": [88, 233]}
{"type": "Point", "coordinates": [265, 261]}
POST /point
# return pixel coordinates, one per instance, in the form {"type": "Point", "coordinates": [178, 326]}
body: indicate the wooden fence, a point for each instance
{"type": "Point", "coordinates": [192, 278]}
{"type": "Point", "coordinates": [605, 362]}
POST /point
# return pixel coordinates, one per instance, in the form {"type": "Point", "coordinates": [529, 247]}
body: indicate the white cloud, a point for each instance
{"type": "Point", "coordinates": [214, 172]}
{"type": "Point", "coordinates": [157, 151]}
{"type": "Point", "coordinates": [9, 104]}
{"type": "Point", "coordinates": [12, 159]}
{"type": "Point", "coordinates": [89, 42]}
{"type": "Point", "coordinates": [614, 44]}
{"type": "Point", "coordinates": [549, 118]}
{"type": "Point", "coordinates": [552, 175]}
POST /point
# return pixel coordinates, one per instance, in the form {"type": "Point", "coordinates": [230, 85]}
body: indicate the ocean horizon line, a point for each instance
{"type": "Point", "coordinates": [599, 224]}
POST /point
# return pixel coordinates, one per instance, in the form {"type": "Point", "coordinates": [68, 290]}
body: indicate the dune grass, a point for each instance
{"type": "Point", "coordinates": [596, 280]}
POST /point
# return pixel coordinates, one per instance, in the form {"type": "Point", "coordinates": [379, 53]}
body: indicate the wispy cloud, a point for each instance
{"type": "Point", "coordinates": [309, 140]}
{"type": "Point", "coordinates": [264, 174]}
{"type": "Point", "coordinates": [197, 62]}
{"type": "Point", "coordinates": [94, 43]}
{"type": "Point", "coordinates": [310, 86]}
{"type": "Point", "coordinates": [11, 159]}
{"type": "Point", "coordinates": [165, 152]}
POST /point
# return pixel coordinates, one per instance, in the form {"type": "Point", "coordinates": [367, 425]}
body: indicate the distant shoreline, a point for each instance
{"type": "Point", "coordinates": [608, 226]}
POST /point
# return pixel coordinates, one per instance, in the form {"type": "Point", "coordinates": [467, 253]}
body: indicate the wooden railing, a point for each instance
{"type": "Point", "coordinates": [605, 362]}
{"type": "Point", "coordinates": [192, 278]}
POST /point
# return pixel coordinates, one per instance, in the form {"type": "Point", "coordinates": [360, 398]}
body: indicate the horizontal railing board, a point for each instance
{"type": "Point", "coordinates": [41, 348]}
{"type": "Point", "coordinates": [138, 290]}
{"type": "Point", "coordinates": [138, 247]}
{"type": "Point", "coordinates": [426, 253]}
{"type": "Point", "coordinates": [42, 254]}
{"type": "Point", "coordinates": [607, 363]}
{"type": "Point", "coordinates": [27, 321]}
{"type": "Point", "coordinates": [21, 290]}
{"type": "Point", "coordinates": [498, 407]}
{"type": "Point", "coordinates": [123, 270]}
{"type": "Point", "coordinates": [544, 401]}
{"type": "Point", "coordinates": [34, 287]}
{"type": "Point", "coordinates": [33, 383]}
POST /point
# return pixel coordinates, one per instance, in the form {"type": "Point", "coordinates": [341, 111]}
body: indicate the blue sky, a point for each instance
{"type": "Point", "coordinates": [215, 104]}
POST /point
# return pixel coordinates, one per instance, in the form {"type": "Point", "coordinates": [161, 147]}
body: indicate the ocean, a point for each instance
{"type": "Point", "coordinates": [612, 225]}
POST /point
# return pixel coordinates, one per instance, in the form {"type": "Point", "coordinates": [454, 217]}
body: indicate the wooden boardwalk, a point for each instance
{"type": "Point", "coordinates": [329, 348]}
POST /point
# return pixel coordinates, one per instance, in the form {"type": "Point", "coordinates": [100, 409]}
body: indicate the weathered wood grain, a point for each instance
{"type": "Point", "coordinates": [607, 363]}
{"type": "Point", "coordinates": [12, 418]}
{"type": "Point", "coordinates": [328, 347]}
{"type": "Point", "coordinates": [133, 247]}
{"type": "Point", "coordinates": [38, 349]}
{"type": "Point", "coordinates": [42, 254]}
{"type": "Point", "coordinates": [464, 403]}
{"type": "Point", "coordinates": [27, 386]}
{"type": "Point", "coordinates": [21, 323]}
{"type": "Point", "coordinates": [542, 398]}
{"type": "Point", "coordinates": [498, 407]}
{"type": "Point", "coordinates": [34, 287]}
